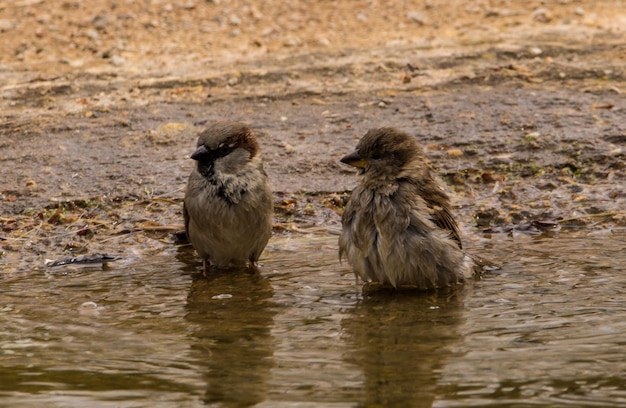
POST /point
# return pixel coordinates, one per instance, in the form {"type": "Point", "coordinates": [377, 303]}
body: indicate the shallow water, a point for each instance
{"type": "Point", "coordinates": [548, 329]}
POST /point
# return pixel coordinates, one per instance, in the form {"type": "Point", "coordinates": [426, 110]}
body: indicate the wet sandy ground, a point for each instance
{"type": "Point", "coordinates": [520, 107]}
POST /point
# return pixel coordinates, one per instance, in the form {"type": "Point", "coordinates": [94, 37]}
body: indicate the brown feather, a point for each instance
{"type": "Point", "coordinates": [442, 216]}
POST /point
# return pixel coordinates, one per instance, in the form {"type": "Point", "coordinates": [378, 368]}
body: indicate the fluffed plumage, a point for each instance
{"type": "Point", "coordinates": [398, 229]}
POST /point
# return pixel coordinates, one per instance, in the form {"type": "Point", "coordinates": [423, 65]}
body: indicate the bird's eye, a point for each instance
{"type": "Point", "coordinates": [376, 156]}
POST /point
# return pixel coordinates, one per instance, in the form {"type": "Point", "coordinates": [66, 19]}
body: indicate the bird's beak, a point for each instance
{"type": "Point", "coordinates": [353, 159]}
{"type": "Point", "coordinates": [199, 153]}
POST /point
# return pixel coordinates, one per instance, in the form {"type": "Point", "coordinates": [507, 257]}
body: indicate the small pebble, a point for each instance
{"type": "Point", "coordinates": [416, 17]}
{"type": "Point", "coordinates": [233, 19]}
{"type": "Point", "coordinates": [100, 22]}
{"type": "Point", "coordinates": [222, 296]}
{"type": "Point", "coordinates": [532, 135]}
{"type": "Point", "coordinates": [6, 25]}
{"type": "Point", "coordinates": [117, 60]}
{"type": "Point", "coordinates": [289, 149]}
{"type": "Point", "coordinates": [292, 41]}
{"type": "Point", "coordinates": [89, 305]}
{"type": "Point", "coordinates": [542, 15]}
{"type": "Point", "coordinates": [92, 34]}
{"type": "Point", "coordinates": [89, 309]}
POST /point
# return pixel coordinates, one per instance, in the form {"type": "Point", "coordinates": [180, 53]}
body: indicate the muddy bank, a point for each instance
{"type": "Point", "coordinates": [509, 157]}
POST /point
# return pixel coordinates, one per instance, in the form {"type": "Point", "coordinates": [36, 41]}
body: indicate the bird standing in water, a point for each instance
{"type": "Point", "coordinates": [228, 202]}
{"type": "Point", "coordinates": [397, 228]}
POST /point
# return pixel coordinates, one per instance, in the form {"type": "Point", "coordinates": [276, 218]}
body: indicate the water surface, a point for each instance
{"type": "Point", "coordinates": [548, 329]}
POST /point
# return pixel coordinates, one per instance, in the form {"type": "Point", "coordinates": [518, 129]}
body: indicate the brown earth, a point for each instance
{"type": "Point", "coordinates": [521, 108]}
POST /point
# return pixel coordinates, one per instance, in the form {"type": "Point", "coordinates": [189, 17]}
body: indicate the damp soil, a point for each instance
{"type": "Point", "coordinates": [520, 107]}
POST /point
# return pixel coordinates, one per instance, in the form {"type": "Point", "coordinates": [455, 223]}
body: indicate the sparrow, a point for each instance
{"type": "Point", "coordinates": [228, 203]}
{"type": "Point", "coordinates": [397, 227]}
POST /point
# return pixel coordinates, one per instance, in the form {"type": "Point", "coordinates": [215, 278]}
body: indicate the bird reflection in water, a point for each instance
{"type": "Point", "coordinates": [401, 340]}
{"type": "Point", "coordinates": [232, 315]}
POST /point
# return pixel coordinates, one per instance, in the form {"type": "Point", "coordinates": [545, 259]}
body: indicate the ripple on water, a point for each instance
{"type": "Point", "coordinates": [546, 329]}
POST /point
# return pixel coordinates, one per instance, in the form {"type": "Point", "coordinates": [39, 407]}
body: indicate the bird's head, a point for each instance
{"type": "Point", "coordinates": [225, 146]}
{"type": "Point", "coordinates": [385, 153]}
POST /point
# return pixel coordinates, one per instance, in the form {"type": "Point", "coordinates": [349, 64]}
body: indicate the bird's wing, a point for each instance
{"type": "Point", "coordinates": [442, 217]}
{"type": "Point", "coordinates": [437, 202]}
{"type": "Point", "coordinates": [438, 205]}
